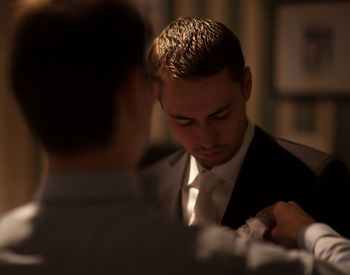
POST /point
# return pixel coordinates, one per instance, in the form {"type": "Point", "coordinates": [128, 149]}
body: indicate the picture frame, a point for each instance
{"type": "Point", "coordinates": [311, 44]}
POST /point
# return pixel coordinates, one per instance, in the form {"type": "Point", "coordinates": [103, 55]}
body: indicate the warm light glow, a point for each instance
{"type": "Point", "coordinates": [192, 197]}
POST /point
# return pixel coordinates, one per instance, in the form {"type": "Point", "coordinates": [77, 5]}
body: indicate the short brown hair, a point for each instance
{"type": "Point", "coordinates": [194, 48]}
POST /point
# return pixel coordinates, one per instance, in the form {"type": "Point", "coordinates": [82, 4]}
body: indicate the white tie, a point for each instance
{"type": "Point", "coordinates": [204, 209]}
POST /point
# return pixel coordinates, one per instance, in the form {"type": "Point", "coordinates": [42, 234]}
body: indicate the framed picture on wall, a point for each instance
{"type": "Point", "coordinates": [312, 49]}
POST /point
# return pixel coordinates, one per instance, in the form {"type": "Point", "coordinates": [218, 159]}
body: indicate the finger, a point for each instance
{"type": "Point", "coordinates": [294, 204]}
{"type": "Point", "coordinates": [277, 235]}
{"type": "Point", "coordinates": [267, 210]}
{"type": "Point", "coordinates": [273, 235]}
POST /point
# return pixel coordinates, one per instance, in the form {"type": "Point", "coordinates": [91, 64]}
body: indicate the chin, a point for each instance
{"type": "Point", "coordinates": [210, 163]}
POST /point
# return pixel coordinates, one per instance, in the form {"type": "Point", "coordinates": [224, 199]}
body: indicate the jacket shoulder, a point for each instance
{"type": "Point", "coordinates": [161, 166]}
{"type": "Point", "coordinates": [312, 157]}
{"type": "Point", "coordinates": [316, 160]}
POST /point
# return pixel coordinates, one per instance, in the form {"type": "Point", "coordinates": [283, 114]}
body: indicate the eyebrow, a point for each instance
{"type": "Point", "coordinates": [218, 111]}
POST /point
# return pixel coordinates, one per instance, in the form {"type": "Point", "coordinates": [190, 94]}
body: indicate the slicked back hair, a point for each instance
{"type": "Point", "coordinates": [191, 48]}
{"type": "Point", "coordinates": [69, 60]}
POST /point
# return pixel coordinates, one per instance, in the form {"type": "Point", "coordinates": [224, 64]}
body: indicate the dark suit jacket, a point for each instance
{"type": "Point", "coordinates": [273, 170]}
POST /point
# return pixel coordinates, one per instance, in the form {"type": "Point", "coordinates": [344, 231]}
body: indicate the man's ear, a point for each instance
{"type": "Point", "coordinates": [247, 83]}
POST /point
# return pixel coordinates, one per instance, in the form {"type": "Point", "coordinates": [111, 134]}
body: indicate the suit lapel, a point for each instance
{"type": "Point", "coordinates": [170, 186]}
{"type": "Point", "coordinates": [251, 194]}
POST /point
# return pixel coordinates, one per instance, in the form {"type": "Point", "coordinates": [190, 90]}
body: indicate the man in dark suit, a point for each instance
{"type": "Point", "coordinates": [203, 84]}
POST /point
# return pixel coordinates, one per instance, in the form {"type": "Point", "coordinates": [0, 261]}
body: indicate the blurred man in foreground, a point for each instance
{"type": "Point", "coordinates": [77, 73]}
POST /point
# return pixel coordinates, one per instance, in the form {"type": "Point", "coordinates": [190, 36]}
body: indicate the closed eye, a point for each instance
{"type": "Point", "coordinates": [184, 122]}
{"type": "Point", "coordinates": [221, 115]}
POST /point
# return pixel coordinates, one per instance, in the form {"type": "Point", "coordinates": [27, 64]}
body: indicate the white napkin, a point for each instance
{"type": "Point", "coordinates": [255, 227]}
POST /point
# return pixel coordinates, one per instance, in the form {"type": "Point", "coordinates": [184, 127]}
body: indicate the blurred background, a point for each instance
{"type": "Point", "coordinates": [298, 54]}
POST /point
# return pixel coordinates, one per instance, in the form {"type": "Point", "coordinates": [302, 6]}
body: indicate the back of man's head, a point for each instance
{"type": "Point", "coordinates": [69, 60]}
{"type": "Point", "coordinates": [191, 48]}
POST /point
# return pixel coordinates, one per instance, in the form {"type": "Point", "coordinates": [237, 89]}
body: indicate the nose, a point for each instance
{"type": "Point", "coordinates": [206, 136]}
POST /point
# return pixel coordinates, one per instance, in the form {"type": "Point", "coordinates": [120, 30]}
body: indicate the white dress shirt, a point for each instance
{"type": "Point", "coordinates": [228, 171]}
{"type": "Point", "coordinates": [326, 244]}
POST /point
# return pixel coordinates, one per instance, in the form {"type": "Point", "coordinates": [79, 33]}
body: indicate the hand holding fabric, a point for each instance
{"type": "Point", "coordinates": [288, 220]}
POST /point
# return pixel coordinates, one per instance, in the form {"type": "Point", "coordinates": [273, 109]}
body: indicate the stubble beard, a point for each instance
{"type": "Point", "coordinates": [225, 157]}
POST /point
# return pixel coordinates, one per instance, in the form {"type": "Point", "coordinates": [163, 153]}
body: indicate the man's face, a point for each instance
{"type": "Point", "coordinates": [207, 115]}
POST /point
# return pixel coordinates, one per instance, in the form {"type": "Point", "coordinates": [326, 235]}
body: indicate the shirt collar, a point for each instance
{"type": "Point", "coordinates": [228, 171]}
{"type": "Point", "coordinates": [111, 184]}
